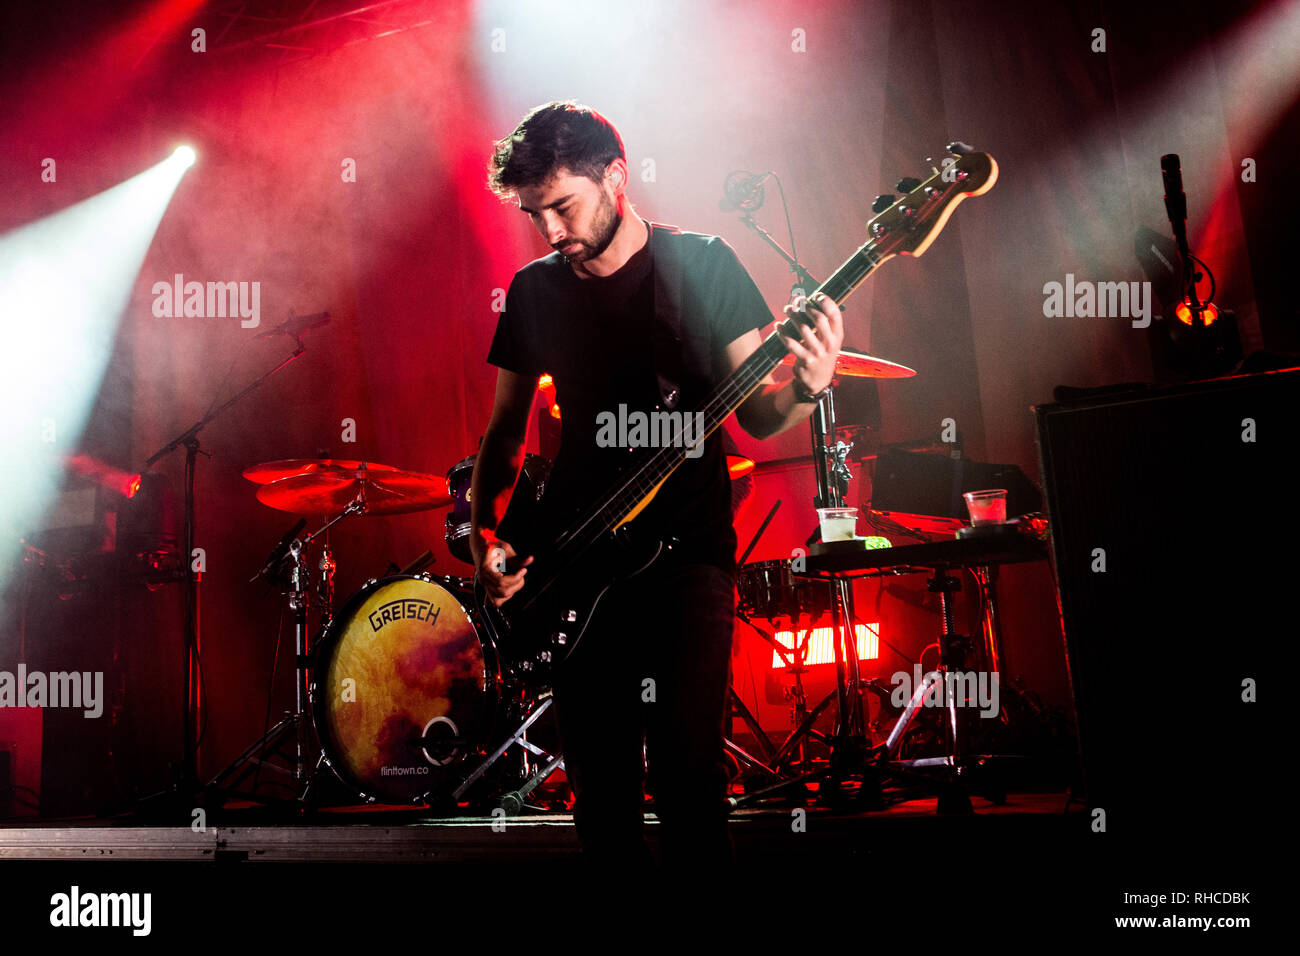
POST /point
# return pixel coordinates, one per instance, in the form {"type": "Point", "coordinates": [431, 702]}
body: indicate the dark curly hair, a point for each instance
{"type": "Point", "coordinates": [560, 135]}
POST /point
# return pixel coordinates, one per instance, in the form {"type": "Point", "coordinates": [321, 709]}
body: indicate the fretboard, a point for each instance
{"type": "Point", "coordinates": [657, 464]}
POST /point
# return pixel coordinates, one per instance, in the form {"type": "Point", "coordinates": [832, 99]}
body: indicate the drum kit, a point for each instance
{"type": "Point", "coordinates": [400, 693]}
{"type": "Point", "coordinates": [406, 700]}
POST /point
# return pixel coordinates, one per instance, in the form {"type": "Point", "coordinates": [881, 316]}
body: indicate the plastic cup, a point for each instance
{"type": "Point", "coordinates": [838, 524]}
{"type": "Point", "coordinates": [987, 507]}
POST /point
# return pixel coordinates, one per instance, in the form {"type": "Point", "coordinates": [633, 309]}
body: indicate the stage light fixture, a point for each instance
{"type": "Point", "coordinates": [821, 647]}
{"type": "Point", "coordinates": [65, 281]}
{"type": "Point", "coordinates": [1208, 312]}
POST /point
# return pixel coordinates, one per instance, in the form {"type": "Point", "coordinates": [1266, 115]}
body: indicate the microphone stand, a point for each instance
{"type": "Point", "coordinates": [802, 274]}
{"type": "Point", "coordinates": [188, 782]}
{"type": "Point", "coordinates": [851, 746]}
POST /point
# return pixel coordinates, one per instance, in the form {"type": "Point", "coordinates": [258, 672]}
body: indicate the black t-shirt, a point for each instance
{"type": "Point", "coordinates": [597, 337]}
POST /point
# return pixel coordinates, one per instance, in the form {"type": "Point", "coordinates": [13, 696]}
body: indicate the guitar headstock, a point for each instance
{"type": "Point", "coordinates": [908, 226]}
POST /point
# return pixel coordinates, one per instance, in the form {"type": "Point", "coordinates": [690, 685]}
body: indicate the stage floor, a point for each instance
{"type": "Point", "coordinates": [382, 835]}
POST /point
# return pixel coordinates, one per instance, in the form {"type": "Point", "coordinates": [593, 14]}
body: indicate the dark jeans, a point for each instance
{"type": "Point", "coordinates": [671, 625]}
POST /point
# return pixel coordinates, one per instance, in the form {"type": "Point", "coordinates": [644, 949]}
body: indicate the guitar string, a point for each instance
{"type": "Point", "coordinates": [839, 286]}
{"type": "Point", "coordinates": [661, 465]}
{"type": "Point", "coordinates": [642, 479]}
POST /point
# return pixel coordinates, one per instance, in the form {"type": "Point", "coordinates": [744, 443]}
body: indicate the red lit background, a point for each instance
{"type": "Point", "coordinates": [409, 257]}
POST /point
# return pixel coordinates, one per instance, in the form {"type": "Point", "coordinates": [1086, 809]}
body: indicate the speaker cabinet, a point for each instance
{"type": "Point", "coordinates": [1174, 557]}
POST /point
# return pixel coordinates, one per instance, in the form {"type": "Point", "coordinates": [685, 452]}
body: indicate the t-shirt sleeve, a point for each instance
{"type": "Point", "coordinates": [514, 346]}
{"type": "Point", "coordinates": [737, 306]}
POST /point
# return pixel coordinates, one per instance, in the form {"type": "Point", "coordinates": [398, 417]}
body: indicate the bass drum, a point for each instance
{"type": "Point", "coordinates": [404, 689]}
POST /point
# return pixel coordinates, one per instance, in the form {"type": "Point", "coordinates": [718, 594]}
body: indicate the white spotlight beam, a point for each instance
{"type": "Point", "coordinates": [64, 281]}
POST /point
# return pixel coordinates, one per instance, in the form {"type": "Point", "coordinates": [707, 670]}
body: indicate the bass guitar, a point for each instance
{"type": "Point", "coordinates": [545, 620]}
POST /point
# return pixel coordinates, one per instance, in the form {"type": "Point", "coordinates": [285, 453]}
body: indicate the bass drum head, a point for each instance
{"type": "Point", "coordinates": [402, 691]}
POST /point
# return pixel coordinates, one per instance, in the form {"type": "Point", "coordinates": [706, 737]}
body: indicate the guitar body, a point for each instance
{"type": "Point", "coordinates": [544, 621]}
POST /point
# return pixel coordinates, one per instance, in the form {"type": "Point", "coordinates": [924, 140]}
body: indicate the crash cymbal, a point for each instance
{"type": "Point", "coordinates": [861, 365]}
{"type": "Point", "coordinates": [385, 492]}
{"type": "Point", "coordinates": [269, 471]}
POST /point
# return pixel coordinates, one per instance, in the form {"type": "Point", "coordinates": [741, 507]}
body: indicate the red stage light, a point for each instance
{"type": "Point", "coordinates": [105, 475]}
{"type": "Point", "coordinates": [1209, 312]}
{"type": "Point", "coordinates": [547, 385]}
{"type": "Point", "coordinates": [739, 466]}
{"type": "Point", "coordinates": [821, 649]}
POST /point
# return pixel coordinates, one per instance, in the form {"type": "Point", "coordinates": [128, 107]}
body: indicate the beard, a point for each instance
{"type": "Point", "coordinates": [604, 224]}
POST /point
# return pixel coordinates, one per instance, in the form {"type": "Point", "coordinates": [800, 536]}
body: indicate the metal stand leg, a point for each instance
{"type": "Point", "coordinates": [552, 762]}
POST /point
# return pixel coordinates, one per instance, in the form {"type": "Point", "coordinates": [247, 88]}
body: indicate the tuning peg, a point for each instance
{"type": "Point", "coordinates": [882, 202]}
{"type": "Point", "coordinates": [960, 149]}
{"type": "Point", "coordinates": [907, 184]}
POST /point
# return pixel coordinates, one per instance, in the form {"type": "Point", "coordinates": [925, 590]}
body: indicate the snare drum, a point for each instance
{"type": "Point", "coordinates": [528, 492]}
{"type": "Point", "coordinates": [403, 689]}
{"type": "Point", "coordinates": [769, 589]}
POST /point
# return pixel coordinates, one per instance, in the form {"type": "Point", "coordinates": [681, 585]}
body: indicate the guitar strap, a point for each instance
{"type": "Point", "coordinates": [680, 358]}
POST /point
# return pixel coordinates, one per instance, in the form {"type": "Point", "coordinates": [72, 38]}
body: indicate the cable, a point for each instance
{"type": "Point", "coordinates": [794, 253]}
{"type": "Point", "coordinates": [1191, 281]}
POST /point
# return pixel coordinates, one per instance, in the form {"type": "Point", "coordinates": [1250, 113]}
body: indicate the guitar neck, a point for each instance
{"type": "Point", "coordinates": [907, 227]}
{"type": "Point", "coordinates": [722, 401]}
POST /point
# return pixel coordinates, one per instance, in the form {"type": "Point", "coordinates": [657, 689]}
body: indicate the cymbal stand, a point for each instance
{"type": "Point", "coordinates": [851, 745]}
{"type": "Point", "coordinates": [299, 720]}
{"type": "Point", "coordinates": [775, 759]}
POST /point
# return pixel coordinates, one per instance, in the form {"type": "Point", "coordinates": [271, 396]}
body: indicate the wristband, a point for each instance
{"type": "Point", "coordinates": [804, 397]}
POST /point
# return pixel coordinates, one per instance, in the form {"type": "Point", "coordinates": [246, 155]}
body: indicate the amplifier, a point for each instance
{"type": "Point", "coordinates": [1170, 538]}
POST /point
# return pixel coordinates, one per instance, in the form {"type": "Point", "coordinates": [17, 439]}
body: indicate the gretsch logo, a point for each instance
{"type": "Point", "coordinates": [402, 610]}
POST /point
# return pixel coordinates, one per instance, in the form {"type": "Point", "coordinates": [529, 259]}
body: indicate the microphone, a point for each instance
{"type": "Point", "coordinates": [280, 551]}
{"type": "Point", "coordinates": [742, 190]}
{"type": "Point", "coordinates": [296, 325]}
{"type": "Point", "coordinates": [1175, 200]}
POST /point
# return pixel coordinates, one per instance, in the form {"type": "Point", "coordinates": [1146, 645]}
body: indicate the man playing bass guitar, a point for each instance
{"type": "Point", "coordinates": [631, 316]}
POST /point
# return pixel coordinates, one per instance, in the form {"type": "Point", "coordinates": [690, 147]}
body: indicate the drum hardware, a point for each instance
{"type": "Point", "coordinates": [428, 690]}
{"type": "Point", "coordinates": [850, 746]}
{"type": "Point", "coordinates": [420, 686]}
{"type": "Point", "coordinates": [768, 589]}
{"type": "Point", "coordinates": [960, 767]}
{"type": "Point", "coordinates": [288, 563]}
{"type": "Point", "coordinates": [325, 588]}
{"type": "Point", "coordinates": [319, 486]}
{"type": "Point", "coordinates": [532, 773]}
